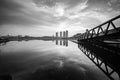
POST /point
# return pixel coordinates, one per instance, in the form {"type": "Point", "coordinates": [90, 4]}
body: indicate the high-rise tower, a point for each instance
{"type": "Point", "coordinates": [66, 33]}
{"type": "Point", "coordinates": [60, 34]}
{"type": "Point", "coordinates": [56, 34]}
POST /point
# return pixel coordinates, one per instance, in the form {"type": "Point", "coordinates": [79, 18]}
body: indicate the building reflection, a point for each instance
{"type": "Point", "coordinates": [62, 42]}
{"type": "Point", "coordinates": [56, 42]}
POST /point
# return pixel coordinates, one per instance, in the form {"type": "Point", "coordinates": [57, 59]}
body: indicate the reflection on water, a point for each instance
{"type": "Point", "coordinates": [63, 42]}
{"type": "Point", "coordinates": [46, 60]}
{"type": "Point", "coordinates": [102, 59]}
{"type": "Point", "coordinates": [3, 43]}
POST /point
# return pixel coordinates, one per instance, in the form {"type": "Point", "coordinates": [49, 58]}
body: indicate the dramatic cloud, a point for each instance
{"type": "Point", "coordinates": [54, 15]}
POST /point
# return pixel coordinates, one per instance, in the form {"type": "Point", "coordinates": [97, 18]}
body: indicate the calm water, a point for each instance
{"type": "Point", "coordinates": [44, 60]}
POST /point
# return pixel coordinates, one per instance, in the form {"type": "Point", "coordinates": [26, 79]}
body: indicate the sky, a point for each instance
{"type": "Point", "coordinates": [45, 17]}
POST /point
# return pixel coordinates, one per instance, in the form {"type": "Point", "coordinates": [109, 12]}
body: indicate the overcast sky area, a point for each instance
{"type": "Point", "coordinates": [45, 17]}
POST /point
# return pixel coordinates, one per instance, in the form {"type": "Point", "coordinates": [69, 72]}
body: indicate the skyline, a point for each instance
{"type": "Point", "coordinates": [45, 17]}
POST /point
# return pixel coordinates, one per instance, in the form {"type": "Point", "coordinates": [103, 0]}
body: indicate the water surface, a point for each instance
{"type": "Point", "coordinates": [47, 60]}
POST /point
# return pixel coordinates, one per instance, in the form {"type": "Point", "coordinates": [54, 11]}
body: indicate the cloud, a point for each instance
{"type": "Point", "coordinates": [21, 13]}
{"type": "Point", "coordinates": [10, 13]}
{"type": "Point", "coordinates": [76, 10]}
{"type": "Point", "coordinates": [56, 11]}
{"type": "Point", "coordinates": [114, 4]}
{"type": "Point", "coordinates": [57, 14]}
{"type": "Point", "coordinates": [49, 3]}
{"type": "Point", "coordinates": [6, 8]}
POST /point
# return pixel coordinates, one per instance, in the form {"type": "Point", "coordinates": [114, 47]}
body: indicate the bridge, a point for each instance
{"type": "Point", "coordinates": [101, 45]}
{"type": "Point", "coordinates": [105, 31]}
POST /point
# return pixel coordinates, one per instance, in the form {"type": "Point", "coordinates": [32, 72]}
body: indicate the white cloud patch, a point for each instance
{"type": "Point", "coordinates": [74, 12]}
{"type": "Point", "coordinates": [57, 15]}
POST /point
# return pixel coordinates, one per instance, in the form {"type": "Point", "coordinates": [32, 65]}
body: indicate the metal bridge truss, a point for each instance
{"type": "Point", "coordinates": [108, 30]}
{"type": "Point", "coordinates": [97, 45]}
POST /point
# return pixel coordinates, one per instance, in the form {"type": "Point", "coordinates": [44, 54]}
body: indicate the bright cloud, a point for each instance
{"type": "Point", "coordinates": [41, 16]}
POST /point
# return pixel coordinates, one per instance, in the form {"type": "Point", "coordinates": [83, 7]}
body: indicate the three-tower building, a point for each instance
{"type": "Point", "coordinates": [63, 34]}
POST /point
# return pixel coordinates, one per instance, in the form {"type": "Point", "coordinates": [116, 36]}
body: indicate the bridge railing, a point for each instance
{"type": "Point", "coordinates": [106, 28]}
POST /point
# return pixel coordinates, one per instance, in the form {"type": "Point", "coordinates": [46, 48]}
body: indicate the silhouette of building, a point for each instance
{"type": "Point", "coordinates": [63, 34]}
{"type": "Point", "coordinates": [56, 34]}
{"type": "Point", "coordinates": [60, 34]}
{"type": "Point", "coordinates": [66, 33]}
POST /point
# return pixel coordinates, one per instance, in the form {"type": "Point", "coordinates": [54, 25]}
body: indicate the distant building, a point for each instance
{"type": "Point", "coordinates": [66, 33]}
{"type": "Point", "coordinates": [60, 34]}
{"type": "Point", "coordinates": [56, 34]}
